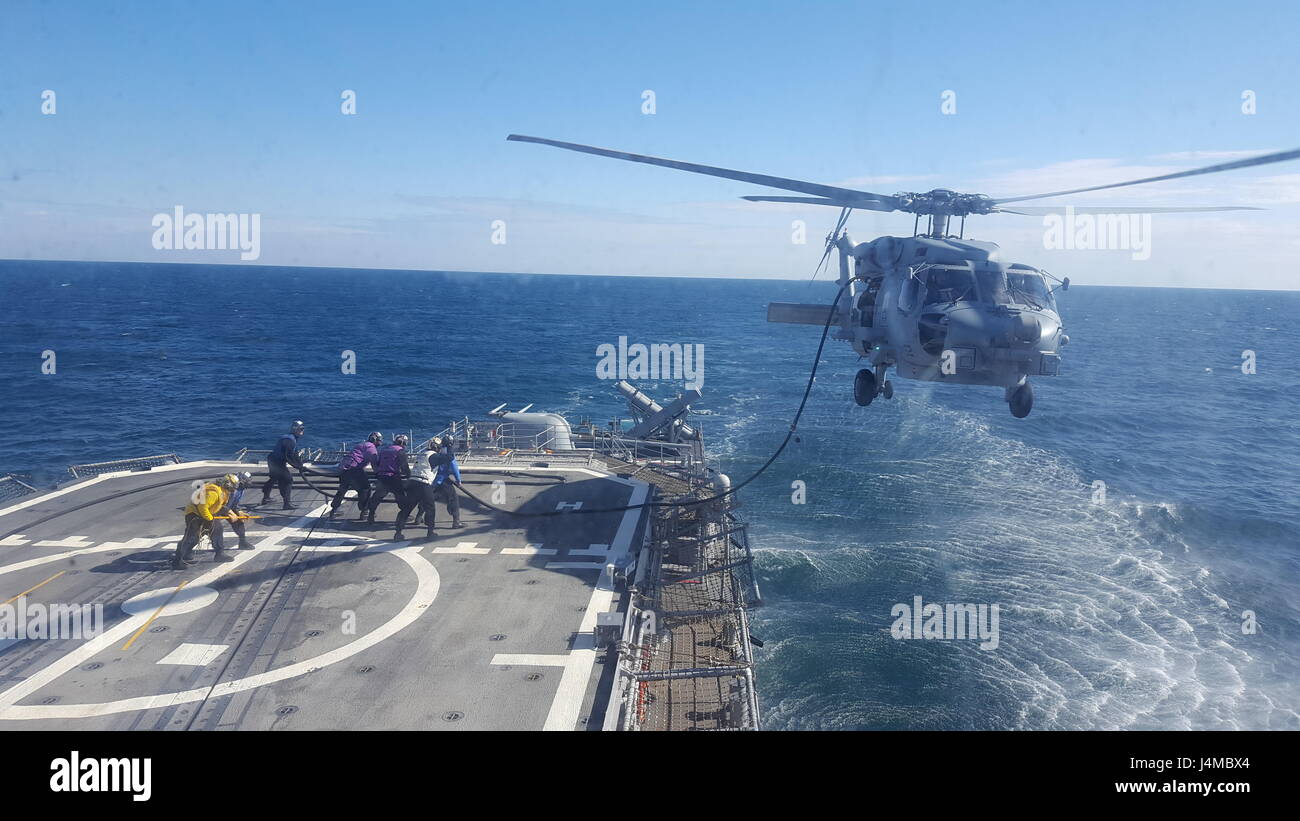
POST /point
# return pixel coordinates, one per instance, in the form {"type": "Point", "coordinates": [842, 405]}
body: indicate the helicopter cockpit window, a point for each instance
{"type": "Point", "coordinates": [1030, 288]}
{"type": "Point", "coordinates": [993, 287]}
{"type": "Point", "coordinates": [948, 285]}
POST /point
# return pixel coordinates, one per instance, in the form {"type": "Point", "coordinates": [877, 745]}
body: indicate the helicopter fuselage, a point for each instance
{"type": "Point", "coordinates": [941, 309]}
{"type": "Point", "coordinates": [948, 310]}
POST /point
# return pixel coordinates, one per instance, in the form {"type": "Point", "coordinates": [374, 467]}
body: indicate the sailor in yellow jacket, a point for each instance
{"type": "Point", "coordinates": [203, 517]}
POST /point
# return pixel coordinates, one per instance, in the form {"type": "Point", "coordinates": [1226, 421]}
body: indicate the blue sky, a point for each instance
{"type": "Point", "coordinates": [235, 107]}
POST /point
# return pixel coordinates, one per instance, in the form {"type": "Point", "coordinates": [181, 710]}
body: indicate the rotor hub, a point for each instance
{"type": "Point", "coordinates": [942, 201]}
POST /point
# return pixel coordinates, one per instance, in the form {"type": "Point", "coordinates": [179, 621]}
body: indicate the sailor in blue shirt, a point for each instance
{"type": "Point", "coordinates": [445, 482]}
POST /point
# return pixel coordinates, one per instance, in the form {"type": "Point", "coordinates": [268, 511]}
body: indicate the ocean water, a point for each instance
{"type": "Point", "coordinates": [1122, 614]}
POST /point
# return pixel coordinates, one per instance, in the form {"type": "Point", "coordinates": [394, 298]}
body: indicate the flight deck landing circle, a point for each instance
{"type": "Point", "coordinates": [428, 583]}
{"type": "Point", "coordinates": [169, 601]}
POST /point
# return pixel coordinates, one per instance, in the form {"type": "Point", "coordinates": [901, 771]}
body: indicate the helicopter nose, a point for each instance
{"type": "Point", "coordinates": [998, 329]}
{"type": "Point", "coordinates": [1027, 329]}
{"type": "Point", "coordinates": [1052, 334]}
{"type": "Point", "coordinates": [967, 327]}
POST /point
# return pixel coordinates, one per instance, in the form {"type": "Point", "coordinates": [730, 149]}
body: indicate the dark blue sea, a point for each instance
{"type": "Point", "coordinates": [1123, 614]}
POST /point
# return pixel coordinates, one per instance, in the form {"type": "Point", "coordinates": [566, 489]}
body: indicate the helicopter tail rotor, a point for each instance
{"type": "Point", "coordinates": [831, 239]}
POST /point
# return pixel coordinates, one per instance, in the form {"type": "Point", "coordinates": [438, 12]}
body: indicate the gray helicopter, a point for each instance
{"type": "Point", "coordinates": [934, 306]}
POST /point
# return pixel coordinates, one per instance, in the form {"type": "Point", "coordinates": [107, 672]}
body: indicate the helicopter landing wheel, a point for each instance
{"type": "Point", "coordinates": [1021, 401]}
{"type": "Point", "coordinates": [887, 390]}
{"type": "Point", "coordinates": [864, 387]}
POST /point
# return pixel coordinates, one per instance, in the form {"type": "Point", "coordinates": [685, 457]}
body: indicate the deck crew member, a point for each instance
{"type": "Point", "coordinates": [352, 474]}
{"type": "Point", "coordinates": [278, 461]}
{"type": "Point", "coordinates": [391, 471]}
{"type": "Point", "coordinates": [203, 518]}
{"type": "Point", "coordinates": [234, 510]}
{"type": "Point", "coordinates": [420, 489]}
{"type": "Point", "coordinates": [448, 475]}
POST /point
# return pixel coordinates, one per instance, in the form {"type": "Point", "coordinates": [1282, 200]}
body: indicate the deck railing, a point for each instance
{"type": "Point", "coordinates": [141, 463]}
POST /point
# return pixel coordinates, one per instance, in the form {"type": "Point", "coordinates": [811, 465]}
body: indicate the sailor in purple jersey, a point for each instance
{"type": "Point", "coordinates": [391, 471]}
{"type": "Point", "coordinates": [352, 474]}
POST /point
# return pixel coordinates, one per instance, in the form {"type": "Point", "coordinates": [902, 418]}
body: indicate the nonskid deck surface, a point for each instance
{"type": "Point", "coordinates": [323, 624]}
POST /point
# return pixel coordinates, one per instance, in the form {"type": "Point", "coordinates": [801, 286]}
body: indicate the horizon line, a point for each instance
{"type": "Point", "coordinates": [810, 281]}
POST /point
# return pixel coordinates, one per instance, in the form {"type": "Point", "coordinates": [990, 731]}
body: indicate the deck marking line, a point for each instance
{"type": "Point", "coordinates": [54, 557]}
{"type": "Point", "coordinates": [68, 661]}
{"type": "Point", "coordinates": [532, 659]}
{"type": "Point", "coordinates": [149, 621]}
{"type": "Point", "coordinates": [569, 696]}
{"type": "Point", "coordinates": [590, 550]}
{"type": "Point", "coordinates": [30, 589]}
{"type": "Point", "coordinates": [70, 541]}
{"type": "Point", "coordinates": [470, 548]}
{"type": "Point", "coordinates": [530, 549]}
{"type": "Point", "coordinates": [428, 583]}
{"type": "Point", "coordinates": [194, 655]}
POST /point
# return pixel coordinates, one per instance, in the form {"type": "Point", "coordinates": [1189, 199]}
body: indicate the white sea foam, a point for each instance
{"type": "Point", "coordinates": [1104, 625]}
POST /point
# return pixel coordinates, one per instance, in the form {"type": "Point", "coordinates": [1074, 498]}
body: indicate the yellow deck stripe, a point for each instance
{"type": "Point", "coordinates": [144, 626]}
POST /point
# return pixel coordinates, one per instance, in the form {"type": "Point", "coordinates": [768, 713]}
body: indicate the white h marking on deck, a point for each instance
{"type": "Point", "coordinates": [194, 655]}
{"type": "Point", "coordinates": [471, 548]}
{"type": "Point", "coordinates": [71, 541]}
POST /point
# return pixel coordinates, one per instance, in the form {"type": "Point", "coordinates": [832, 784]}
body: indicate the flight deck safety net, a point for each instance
{"type": "Point", "coordinates": [14, 486]}
{"type": "Point", "coordinates": [142, 463]}
{"type": "Point", "coordinates": [686, 659]}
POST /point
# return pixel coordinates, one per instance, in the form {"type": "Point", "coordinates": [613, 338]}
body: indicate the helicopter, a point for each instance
{"type": "Point", "coordinates": [935, 306]}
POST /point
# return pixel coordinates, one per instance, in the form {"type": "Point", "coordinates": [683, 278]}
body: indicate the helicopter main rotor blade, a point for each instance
{"type": "Point", "coordinates": [865, 205]}
{"type": "Point", "coordinates": [785, 184]}
{"type": "Point", "coordinates": [1263, 159]}
{"type": "Point", "coordinates": [1043, 210]}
